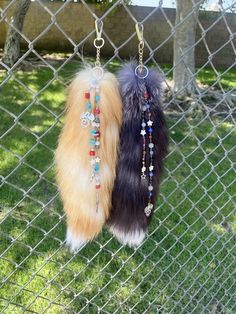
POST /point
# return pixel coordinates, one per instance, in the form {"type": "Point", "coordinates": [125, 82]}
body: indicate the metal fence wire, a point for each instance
{"type": "Point", "coordinates": [186, 263]}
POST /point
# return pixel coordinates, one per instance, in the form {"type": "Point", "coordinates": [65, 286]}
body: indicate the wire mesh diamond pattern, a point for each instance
{"type": "Point", "coordinates": [186, 263]}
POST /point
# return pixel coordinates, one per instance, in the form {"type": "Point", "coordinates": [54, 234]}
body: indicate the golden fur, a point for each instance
{"type": "Point", "coordinates": [73, 161]}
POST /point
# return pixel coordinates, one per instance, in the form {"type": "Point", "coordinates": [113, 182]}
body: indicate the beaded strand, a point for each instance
{"type": "Point", "coordinates": [91, 117]}
{"type": "Point", "coordinates": [143, 133]}
{"type": "Point", "coordinates": [147, 129]}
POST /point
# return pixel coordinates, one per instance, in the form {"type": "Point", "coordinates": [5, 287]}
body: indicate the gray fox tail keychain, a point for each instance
{"type": "Point", "coordinates": [87, 149]}
{"type": "Point", "coordinates": [143, 146]}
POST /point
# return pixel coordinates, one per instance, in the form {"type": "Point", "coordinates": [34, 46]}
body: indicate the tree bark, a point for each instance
{"type": "Point", "coordinates": [184, 50]}
{"type": "Point", "coordinates": [12, 44]}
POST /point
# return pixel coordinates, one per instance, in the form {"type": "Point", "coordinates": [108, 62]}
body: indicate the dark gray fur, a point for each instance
{"type": "Point", "coordinates": [130, 193]}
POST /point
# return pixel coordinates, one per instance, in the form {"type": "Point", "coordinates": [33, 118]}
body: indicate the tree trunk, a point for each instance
{"type": "Point", "coordinates": [12, 44]}
{"type": "Point", "coordinates": [184, 50]}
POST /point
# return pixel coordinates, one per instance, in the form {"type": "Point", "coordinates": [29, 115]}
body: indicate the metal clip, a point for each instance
{"type": "Point", "coordinates": [139, 31]}
{"type": "Point", "coordinates": [98, 31]}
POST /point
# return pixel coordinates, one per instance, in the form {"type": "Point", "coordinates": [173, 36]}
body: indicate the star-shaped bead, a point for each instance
{"type": "Point", "coordinates": [143, 132]}
{"type": "Point", "coordinates": [151, 168]}
{"type": "Point", "coordinates": [97, 159]}
{"type": "Point", "coordinates": [150, 123]}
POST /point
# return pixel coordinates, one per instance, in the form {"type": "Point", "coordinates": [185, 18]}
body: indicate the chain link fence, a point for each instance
{"type": "Point", "coordinates": [186, 263]}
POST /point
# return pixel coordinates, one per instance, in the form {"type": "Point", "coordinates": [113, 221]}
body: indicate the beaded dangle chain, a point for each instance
{"type": "Point", "coordinates": [146, 131]}
{"type": "Point", "coordinates": [91, 117]}
{"type": "Point", "coordinates": [141, 71]}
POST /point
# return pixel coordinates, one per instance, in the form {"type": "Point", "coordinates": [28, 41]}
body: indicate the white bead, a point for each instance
{"type": "Point", "coordinates": [151, 145]}
{"type": "Point", "coordinates": [94, 83]}
{"type": "Point", "coordinates": [151, 168]}
{"type": "Point", "coordinates": [143, 124]}
{"type": "Point", "coordinates": [150, 188]}
{"type": "Point", "coordinates": [150, 123]}
{"type": "Point", "coordinates": [143, 169]}
{"type": "Point", "coordinates": [92, 161]}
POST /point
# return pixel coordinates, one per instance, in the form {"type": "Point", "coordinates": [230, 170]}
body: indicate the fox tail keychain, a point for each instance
{"type": "Point", "coordinates": [87, 150]}
{"type": "Point", "coordinates": [143, 146]}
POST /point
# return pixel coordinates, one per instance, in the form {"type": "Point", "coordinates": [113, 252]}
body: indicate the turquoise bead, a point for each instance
{"type": "Point", "coordinates": [88, 106]}
{"type": "Point", "coordinates": [96, 167]}
{"type": "Point", "coordinates": [97, 98]}
{"type": "Point", "coordinates": [92, 142]}
{"type": "Point", "coordinates": [93, 132]}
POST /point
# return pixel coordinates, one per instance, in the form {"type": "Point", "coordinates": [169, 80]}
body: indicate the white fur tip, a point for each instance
{"type": "Point", "coordinates": [73, 241]}
{"type": "Point", "coordinates": [132, 239]}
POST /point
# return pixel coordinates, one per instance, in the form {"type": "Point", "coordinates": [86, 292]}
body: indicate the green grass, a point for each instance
{"type": "Point", "coordinates": [186, 264]}
{"type": "Point", "coordinates": [218, 79]}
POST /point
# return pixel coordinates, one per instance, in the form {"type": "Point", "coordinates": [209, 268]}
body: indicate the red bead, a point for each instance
{"type": "Point", "coordinates": [92, 153]}
{"type": "Point", "coordinates": [98, 186]}
{"type": "Point", "coordinates": [87, 95]}
{"type": "Point", "coordinates": [96, 110]}
{"type": "Point", "coordinates": [146, 95]}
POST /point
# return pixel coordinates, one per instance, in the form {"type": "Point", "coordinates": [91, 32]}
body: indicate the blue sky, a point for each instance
{"type": "Point", "coordinates": [211, 4]}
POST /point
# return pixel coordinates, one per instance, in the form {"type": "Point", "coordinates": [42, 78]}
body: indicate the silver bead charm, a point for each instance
{"type": "Point", "coordinates": [148, 209]}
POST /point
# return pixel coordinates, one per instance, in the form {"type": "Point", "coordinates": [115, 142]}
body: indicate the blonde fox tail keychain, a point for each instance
{"type": "Point", "coordinates": [143, 146]}
{"type": "Point", "coordinates": [87, 150]}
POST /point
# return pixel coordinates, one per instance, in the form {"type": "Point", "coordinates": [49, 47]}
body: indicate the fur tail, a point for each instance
{"type": "Point", "coordinates": [128, 220]}
{"type": "Point", "coordinates": [73, 166]}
